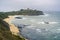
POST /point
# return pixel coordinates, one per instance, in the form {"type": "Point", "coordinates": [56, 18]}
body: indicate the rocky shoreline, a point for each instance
{"type": "Point", "coordinates": [13, 28]}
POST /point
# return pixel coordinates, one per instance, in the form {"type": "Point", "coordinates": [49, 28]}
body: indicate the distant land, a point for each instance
{"type": "Point", "coordinates": [22, 12]}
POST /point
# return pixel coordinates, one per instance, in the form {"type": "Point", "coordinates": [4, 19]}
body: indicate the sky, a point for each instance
{"type": "Point", "coordinates": [43, 5]}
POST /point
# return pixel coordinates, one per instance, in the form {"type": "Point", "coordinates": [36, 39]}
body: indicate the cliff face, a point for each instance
{"type": "Point", "coordinates": [5, 33]}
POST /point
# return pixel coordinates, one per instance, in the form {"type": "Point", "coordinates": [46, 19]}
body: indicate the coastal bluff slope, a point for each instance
{"type": "Point", "coordinates": [13, 28]}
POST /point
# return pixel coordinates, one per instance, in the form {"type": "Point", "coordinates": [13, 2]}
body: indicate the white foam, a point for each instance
{"type": "Point", "coordinates": [53, 22]}
{"type": "Point", "coordinates": [24, 18]}
{"type": "Point", "coordinates": [55, 37]}
{"type": "Point", "coordinates": [31, 26]}
{"type": "Point", "coordinates": [46, 29]}
{"type": "Point", "coordinates": [46, 14]}
{"type": "Point", "coordinates": [48, 22]}
{"type": "Point", "coordinates": [32, 20]}
{"type": "Point", "coordinates": [38, 30]}
{"type": "Point", "coordinates": [41, 23]}
{"type": "Point", "coordinates": [58, 29]}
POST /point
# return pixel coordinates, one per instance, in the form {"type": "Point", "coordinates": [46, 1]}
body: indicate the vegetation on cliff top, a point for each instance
{"type": "Point", "coordinates": [23, 12]}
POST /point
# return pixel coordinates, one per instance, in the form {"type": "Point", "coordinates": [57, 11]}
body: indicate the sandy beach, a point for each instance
{"type": "Point", "coordinates": [13, 28]}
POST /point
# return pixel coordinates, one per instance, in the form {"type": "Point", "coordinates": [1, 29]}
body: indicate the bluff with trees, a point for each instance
{"type": "Point", "coordinates": [25, 12]}
{"type": "Point", "coordinates": [21, 12]}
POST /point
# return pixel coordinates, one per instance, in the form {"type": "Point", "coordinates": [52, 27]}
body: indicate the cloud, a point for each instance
{"type": "Point", "coordinates": [34, 4]}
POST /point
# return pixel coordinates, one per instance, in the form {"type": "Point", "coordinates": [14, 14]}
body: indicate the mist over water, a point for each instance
{"type": "Point", "coordinates": [36, 28]}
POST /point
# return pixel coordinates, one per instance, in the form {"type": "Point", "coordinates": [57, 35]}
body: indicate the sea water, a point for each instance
{"type": "Point", "coordinates": [35, 28]}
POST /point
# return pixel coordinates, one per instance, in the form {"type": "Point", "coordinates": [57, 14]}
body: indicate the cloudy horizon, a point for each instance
{"type": "Point", "coordinates": [44, 5]}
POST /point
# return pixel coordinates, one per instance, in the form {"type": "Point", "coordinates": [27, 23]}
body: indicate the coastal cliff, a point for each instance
{"type": "Point", "coordinates": [6, 31]}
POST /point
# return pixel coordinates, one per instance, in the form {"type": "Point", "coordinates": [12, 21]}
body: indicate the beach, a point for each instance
{"type": "Point", "coordinates": [13, 28]}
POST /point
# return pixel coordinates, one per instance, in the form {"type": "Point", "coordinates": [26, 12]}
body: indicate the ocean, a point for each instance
{"type": "Point", "coordinates": [42, 27]}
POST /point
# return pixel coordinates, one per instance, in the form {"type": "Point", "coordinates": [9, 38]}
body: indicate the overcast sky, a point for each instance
{"type": "Point", "coordinates": [44, 5]}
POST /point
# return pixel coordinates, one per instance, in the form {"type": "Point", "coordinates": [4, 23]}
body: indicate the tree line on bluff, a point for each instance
{"type": "Point", "coordinates": [24, 12]}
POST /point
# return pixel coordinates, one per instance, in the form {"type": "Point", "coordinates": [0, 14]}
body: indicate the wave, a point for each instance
{"type": "Point", "coordinates": [41, 23]}
{"type": "Point", "coordinates": [24, 18]}
{"type": "Point", "coordinates": [32, 20]}
{"type": "Point", "coordinates": [38, 30]}
{"type": "Point", "coordinates": [46, 14]}
{"type": "Point", "coordinates": [47, 22]}
{"type": "Point", "coordinates": [53, 22]}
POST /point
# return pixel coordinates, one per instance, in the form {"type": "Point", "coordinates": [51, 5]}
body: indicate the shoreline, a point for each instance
{"type": "Point", "coordinates": [14, 30]}
{"type": "Point", "coordinates": [12, 27]}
